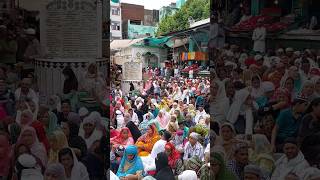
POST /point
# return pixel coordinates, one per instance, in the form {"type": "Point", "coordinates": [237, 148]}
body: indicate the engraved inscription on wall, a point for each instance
{"type": "Point", "coordinates": [71, 29]}
{"type": "Point", "coordinates": [132, 71]}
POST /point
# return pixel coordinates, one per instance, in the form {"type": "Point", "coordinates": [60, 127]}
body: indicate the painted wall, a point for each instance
{"type": "Point", "coordinates": [180, 3]}
{"type": "Point", "coordinates": [138, 31]}
{"type": "Point", "coordinates": [136, 53]}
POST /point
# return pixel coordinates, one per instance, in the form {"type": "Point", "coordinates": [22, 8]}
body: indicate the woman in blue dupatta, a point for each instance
{"type": "Point", "coordinates": [131, 163]}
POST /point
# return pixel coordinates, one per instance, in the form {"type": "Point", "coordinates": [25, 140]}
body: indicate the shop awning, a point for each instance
{"type": "Point", "coordinates": [123, 43]}
{"type": "Point", "coordinates": [154, 42]}
{"type": "Point", "coordinates": [177, 42]}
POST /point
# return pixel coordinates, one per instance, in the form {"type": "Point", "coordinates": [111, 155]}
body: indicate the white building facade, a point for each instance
{"type": "Point", "coordinates": [116, 21]}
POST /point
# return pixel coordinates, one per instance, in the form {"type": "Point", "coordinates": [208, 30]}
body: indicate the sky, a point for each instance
{"type": "Point", "coordinates": [149, 4]}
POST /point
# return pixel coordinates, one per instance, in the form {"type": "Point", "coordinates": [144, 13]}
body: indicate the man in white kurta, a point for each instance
{"type": "Point", "coordinates": [259, 38]}
{"type": "Point", "coordinates": [160, 144]}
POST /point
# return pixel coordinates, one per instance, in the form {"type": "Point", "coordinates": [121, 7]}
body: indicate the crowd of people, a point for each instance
{"type": "Point", "coordinates": [49, 140]}
{"type": "Point", "coordinates": [265, 112]}
{"type": "Point", "coordinates": [161, 129]}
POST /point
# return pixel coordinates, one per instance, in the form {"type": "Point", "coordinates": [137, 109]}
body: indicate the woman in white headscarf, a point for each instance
{"type": "Point", "coordinates": [240, 113]}
{"type": "Point", "coordinates": [219, 105]}
{"type": "Point", "coordinates": [188, 175]}
{"type": "Point", "coordinates": [54, 104]}
{"type": "Point", "coordinates": [257, 88]}
{"type": "Point", "coordinates": [89, 132]}
{"type": "Point", "coordinates": [261, 153]}
{"type": "Point", "coordinates": [163, 118]}
{"type": "Point", "coordinates": [55, 171]}
{"type": "Point", "coordinates": [93, 81]}
{"type": "Point", "coordinates": [74, 169]}
{"type": "Point", "coordinates": [28, 136]}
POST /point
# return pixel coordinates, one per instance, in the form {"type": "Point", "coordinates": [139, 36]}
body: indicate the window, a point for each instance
{"type": "Point", "coordinates": [115, 26]}
{"type": "Point", "coordinates": [115, 11]}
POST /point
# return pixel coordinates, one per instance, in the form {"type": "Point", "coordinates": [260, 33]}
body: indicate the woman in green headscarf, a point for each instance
{"type": "Point", "coordinates": [220, 172]}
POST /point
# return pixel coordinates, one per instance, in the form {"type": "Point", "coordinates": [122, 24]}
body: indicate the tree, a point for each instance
{"type": "Point", "coordinates": [196, 9]}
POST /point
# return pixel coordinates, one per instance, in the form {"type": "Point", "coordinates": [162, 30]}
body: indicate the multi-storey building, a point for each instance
{"type": "Point", "coordinates": [115, 20]}
{"type": "Point", "coordinates": [167, 11]}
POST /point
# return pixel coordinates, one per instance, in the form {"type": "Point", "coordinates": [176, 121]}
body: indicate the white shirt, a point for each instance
{"type": "Point", "coordinates": [113, 176]}
{"type": "Point", "coordinates": [31, 95]}
{"type": "Point", "coordinates": [198, 115]}
{"type": "Point", "coordinates": [158, 148]}
{"type": "Point", "coordinates": [135, 119]}
{"type": "Point", "coordinates": [196, 150]}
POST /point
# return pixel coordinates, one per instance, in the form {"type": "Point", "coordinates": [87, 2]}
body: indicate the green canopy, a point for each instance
{"type": "Point", "coordinates": [154, 42]}
{"type": "Point", "coordinates": [157, 41]}
{"type": "Point", "coordinates": [115, 1]}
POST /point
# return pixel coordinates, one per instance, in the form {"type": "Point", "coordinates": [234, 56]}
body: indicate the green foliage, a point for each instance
{"type": "Point", "coordinates": [197, 9]}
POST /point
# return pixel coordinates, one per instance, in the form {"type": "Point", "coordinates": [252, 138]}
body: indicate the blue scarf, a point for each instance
{"type": "Point", "coordinates": [136, 162]}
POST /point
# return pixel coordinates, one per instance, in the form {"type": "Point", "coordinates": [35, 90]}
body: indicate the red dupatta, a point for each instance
{"type": "Point", "coordinates": [174, 155]}
{"type": "Point", "coordinates": [119, 139]}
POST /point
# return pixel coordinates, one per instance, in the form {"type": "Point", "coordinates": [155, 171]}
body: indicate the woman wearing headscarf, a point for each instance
{"type": "Point", "coordinates": [134, 130]}
{"type": "Point", "coordinates": [55, 171]}
{"type": "Point", "coordinates": [123, 139]}
{"type": "Point", "coordinates": [5, 155]}
{"type": "Point", "coordinates": [307, 90]}
{"type": "Point", "coordinates": [241, 112]}
{"type": "Point", "coordinates": [228, 139]}
{"type": "Point", "coordinates": [55, 104]}
{"type": "Point", "coordinates": [146, 141]}
{"type": "Point", "coordinates": [188, 175]}
{"type": "Point", "coordinates": [48, 119]}
{"type": "Point", "coordinates": [74, 169]}
{"type": "Point", "coordinates": [220, 172]}
{"type": "Point", "coordinates": [295, 80]}
{"type": "Point", "coordinates": [76, 142]}
{"type": "Point", "coordinates": [257, 88]}
{"type": "Point", "coordinates": [93, 81]}
{"type": "Point", "coordinates": [192, 110]}
{"type": "Point", "coordinates": [26, 168]}
{"type": "Point", "coordinates": [131, 163]}
{"type": "Point", "coordinates": [172, 126]}
{"type": "Point", "coordinates": [89, 132]}
{"type": "Point", "coordinates": [174, 160]}
{"type": "Point", "coordinates": [261, 153]}
{"type": "Point", "coordinates": [163, 170]}
{"type": "Point", "coordinates": [29, 137]}
{"type": "Point", "coordinates": [163, 118]}
{"type": "Point", "coordinates": [57, 142]}
{"type": "Point", "coordinates": [282, 97]}
{"type": "Point", "coordinates": [143, 126]}
{"type": "Point", "coordinates": [27, 120]}
{"type": "Point", "coordinates": [219, 105]}
{"type": "Point", "coordinates": [164, 105]}
{"type": "Point", "coordinates": [70, 87]}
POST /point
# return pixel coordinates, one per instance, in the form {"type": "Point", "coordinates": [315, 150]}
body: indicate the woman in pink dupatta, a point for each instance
{"type": "Point", "coordinates": [163, 118]}
{"type": "Point", "coordinates": [28, 136]}
{"type": "Point", "coordinates": [124, 138]}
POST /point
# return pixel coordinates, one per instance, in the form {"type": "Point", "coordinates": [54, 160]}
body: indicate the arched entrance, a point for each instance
{"type": "Point", "coordinates": [151, 60]}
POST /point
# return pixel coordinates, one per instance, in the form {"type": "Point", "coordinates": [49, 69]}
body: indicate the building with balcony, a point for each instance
{"type": "Point", "coordinates": [115, 20]}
